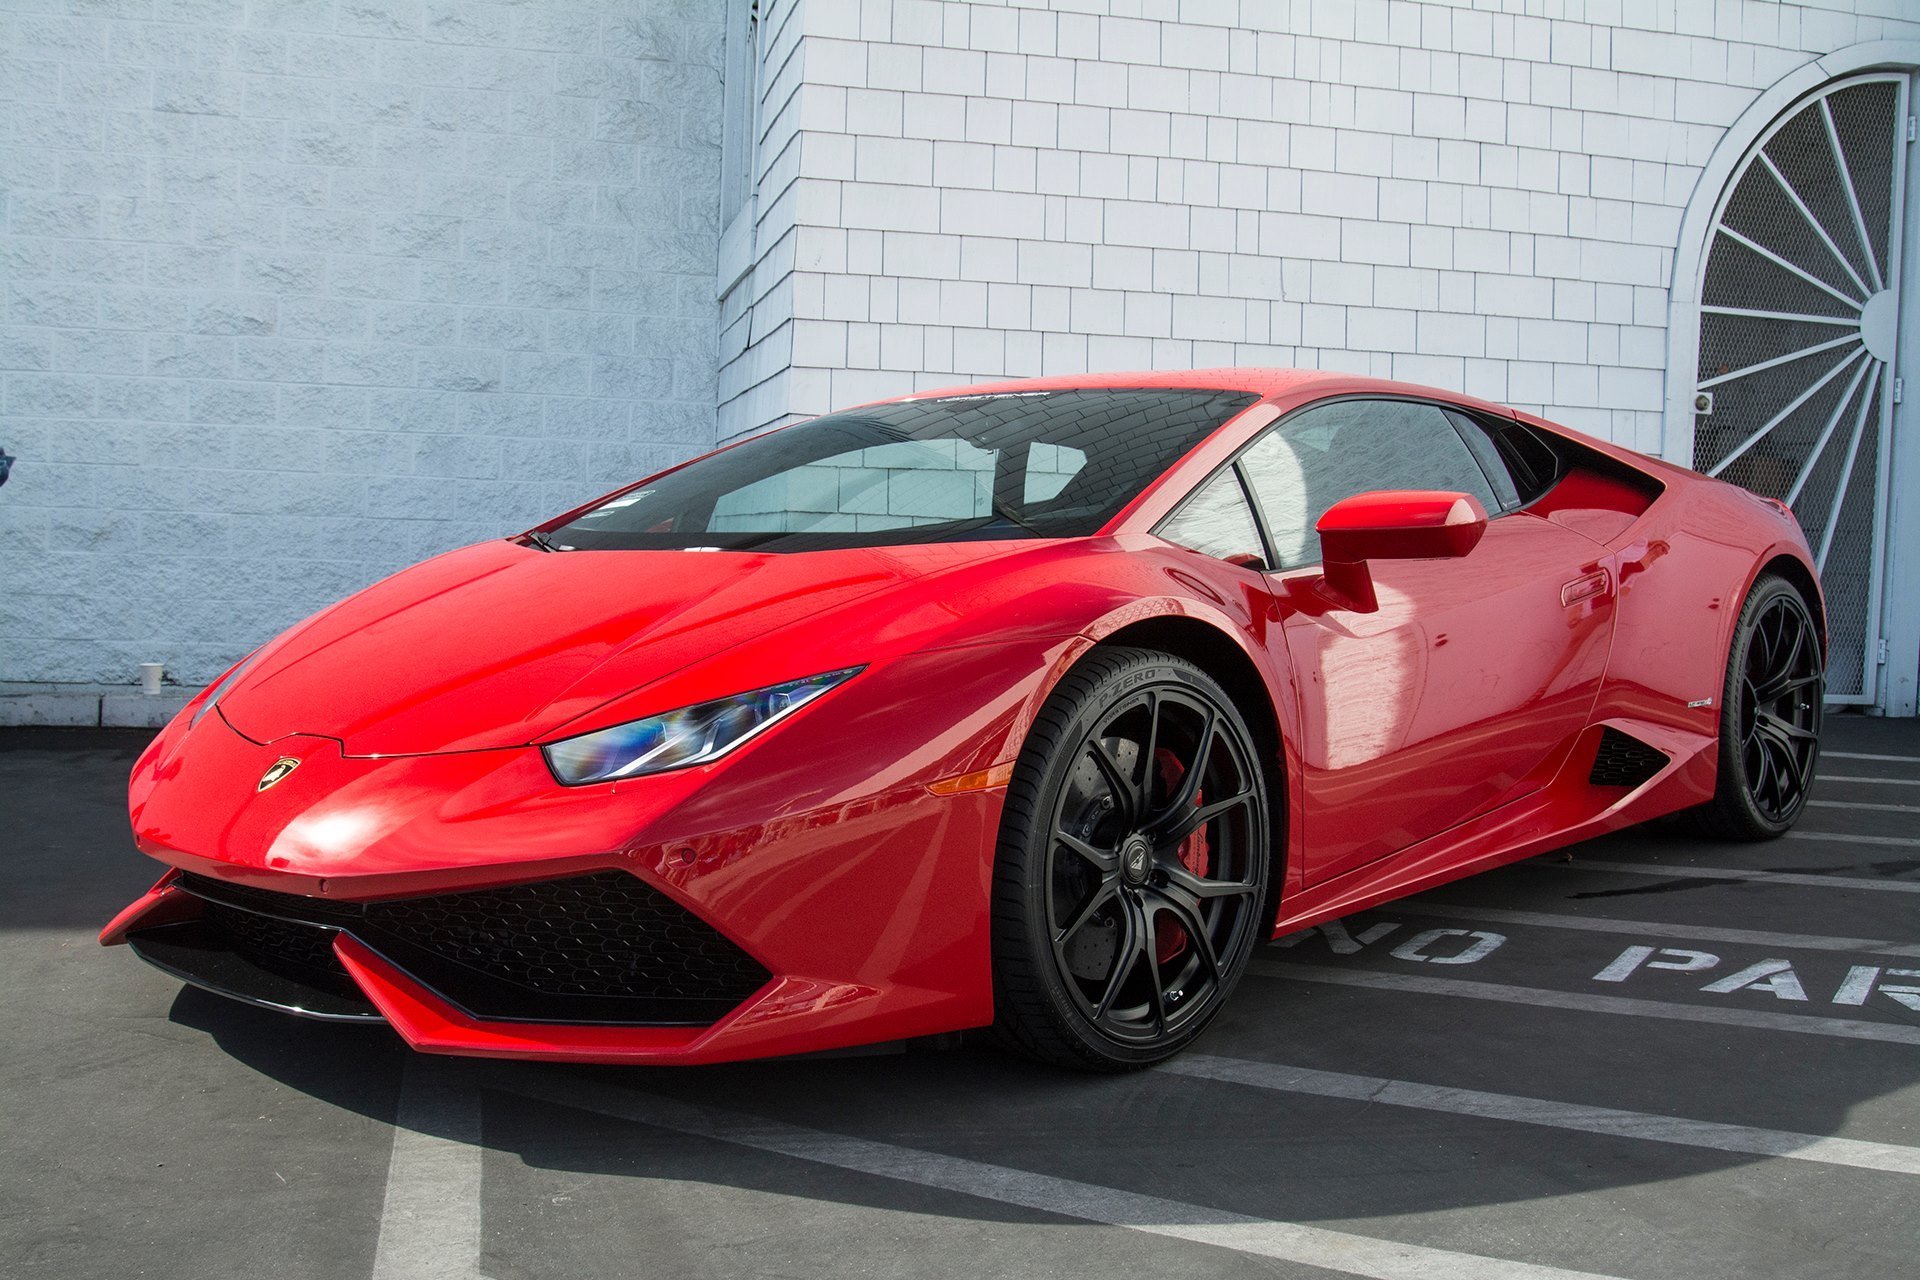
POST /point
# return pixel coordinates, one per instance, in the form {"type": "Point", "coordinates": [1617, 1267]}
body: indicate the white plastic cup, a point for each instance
{"type": "Point", "coordinates": [150, 673]}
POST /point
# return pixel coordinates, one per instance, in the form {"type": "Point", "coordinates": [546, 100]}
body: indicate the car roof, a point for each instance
{"type": "Point", "coordinates": [1264, 382]}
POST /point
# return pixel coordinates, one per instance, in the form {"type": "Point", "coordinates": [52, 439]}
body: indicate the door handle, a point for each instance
{"type": "Point", "coordinates": [1588, 586]}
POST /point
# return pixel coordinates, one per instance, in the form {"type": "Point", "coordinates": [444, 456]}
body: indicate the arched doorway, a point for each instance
{"type": "Point", "coordinates": [1796, 377]}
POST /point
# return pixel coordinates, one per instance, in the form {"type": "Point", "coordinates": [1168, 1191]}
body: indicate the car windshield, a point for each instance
{"type": "Point", "coordinates": [1019, 464]}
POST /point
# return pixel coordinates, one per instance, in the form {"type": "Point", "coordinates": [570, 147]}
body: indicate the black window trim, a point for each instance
{"type": "Point", "coordinates": [1267, 557]}
{"type": "Point", "coordinates": [1253, 498]}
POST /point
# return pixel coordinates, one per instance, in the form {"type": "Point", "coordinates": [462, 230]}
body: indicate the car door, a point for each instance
{"type": "Point", "coordinates": [1463, 688]}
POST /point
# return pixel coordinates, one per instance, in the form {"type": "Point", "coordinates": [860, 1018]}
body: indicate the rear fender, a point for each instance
{"type": "Point", "coordinates": [1684, 571]}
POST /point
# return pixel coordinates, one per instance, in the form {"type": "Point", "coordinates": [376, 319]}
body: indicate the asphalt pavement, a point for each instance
{"type": "Point", "coordinates": [1646, 1056]}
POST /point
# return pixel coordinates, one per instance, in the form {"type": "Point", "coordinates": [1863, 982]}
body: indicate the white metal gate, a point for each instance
{"type": "Point", "coordinates": [1799, 306]}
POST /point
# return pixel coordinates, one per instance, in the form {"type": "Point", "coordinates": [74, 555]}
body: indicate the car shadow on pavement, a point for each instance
{"type": "Point", "coordinates": [1214, 1151]}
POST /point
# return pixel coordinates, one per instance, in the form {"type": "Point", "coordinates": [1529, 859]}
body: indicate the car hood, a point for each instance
{"type": "Point", "coordinates": [501, 644]}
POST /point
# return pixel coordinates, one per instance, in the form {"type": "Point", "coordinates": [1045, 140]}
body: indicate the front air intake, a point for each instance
{"type": "Point", "coordinates": [603, 948]}
{"type": "Point", "coordinates": [1624, 761]}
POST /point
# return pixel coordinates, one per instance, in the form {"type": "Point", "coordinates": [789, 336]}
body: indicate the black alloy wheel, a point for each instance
{"type": "Point", "coordinates": [1132, 879]}
{"type": "Point", "coordinates": [1770, 717]}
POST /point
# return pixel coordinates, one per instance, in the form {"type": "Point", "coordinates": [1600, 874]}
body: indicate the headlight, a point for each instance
{"type": "Point", "coordinates": [691, 735]}
{"type": "Point", "coordinates": [226, 682]}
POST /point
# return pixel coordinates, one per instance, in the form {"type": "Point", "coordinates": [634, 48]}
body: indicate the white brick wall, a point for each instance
{"type": "Point", "coordinates": [774, 237]}
{"type": "Point", "coordinates": [297, 292]}
{"type": "Point", "coordinates": [1455, 193]}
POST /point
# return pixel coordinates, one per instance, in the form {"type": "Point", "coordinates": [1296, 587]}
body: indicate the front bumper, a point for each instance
{"type": "Point", "coordinates": [842, 899]}
{"type": "Point", "coordinates": [331, 973]}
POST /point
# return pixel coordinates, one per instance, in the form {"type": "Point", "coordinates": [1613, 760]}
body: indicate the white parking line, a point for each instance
{"type": "Point", "coordinates": [1151, 1215]}
{"type": "Point", "coordinates": [1802, 1024]}
{"type": "Point", "coordinates": [1644, 1126]}
{"type": "Point", "coordinates": [430, 1222]}
{"type": "Point", "coordinates": [1861, 755]}
{"type": "Point", "coordinates": [1887, 782]}
{"type": "Point", "coordinates": [1853, 804]}
{"type": "Point", "coordinates": [1655, 929]}
{"type": "Point", "coordinates": [1739, 873]}
{"type": "Point", "coordinates": [1901, 842]}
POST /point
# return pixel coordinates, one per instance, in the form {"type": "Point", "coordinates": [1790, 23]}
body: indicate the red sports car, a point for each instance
{"type": "Point", "coordinates": [1036, 706]}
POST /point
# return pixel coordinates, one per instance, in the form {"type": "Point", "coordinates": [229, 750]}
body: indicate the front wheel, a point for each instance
{"type": "Point", "coordinates": [1769, 717]}
{"type": "Point", "coordinates": [1132, 870]}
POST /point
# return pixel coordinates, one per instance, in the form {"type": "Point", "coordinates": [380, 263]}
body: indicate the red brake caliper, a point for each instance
{"type": "Point", "coordinates": [1169, 938]}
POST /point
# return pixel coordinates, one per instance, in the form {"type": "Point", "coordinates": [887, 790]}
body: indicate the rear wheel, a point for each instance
{"type": "Point", "coordinates": [1769, 717]}
{"type": "Point", "coordinates": [1132, 868]}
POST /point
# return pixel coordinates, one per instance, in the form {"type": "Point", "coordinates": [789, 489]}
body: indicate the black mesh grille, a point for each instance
{"type": "Point", "coordinates": [605, 935]}
{"type": "Point", "coordinates": [596, 948]}
{"type": "Point", "coordinates": [1624, 761]}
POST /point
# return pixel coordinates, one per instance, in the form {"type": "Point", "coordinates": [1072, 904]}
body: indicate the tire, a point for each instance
{"type": "Point", "coordinates": [1130, 883]}
{"type": "Point", "coordinates": [1770, 709]}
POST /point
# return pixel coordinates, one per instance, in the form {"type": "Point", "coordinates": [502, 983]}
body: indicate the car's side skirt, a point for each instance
{"type": "Point", "coordinates": [1571, 808]}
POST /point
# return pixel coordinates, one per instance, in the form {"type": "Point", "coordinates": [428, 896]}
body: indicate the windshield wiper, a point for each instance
{"type": "Point", "coordinates": [541, 541]}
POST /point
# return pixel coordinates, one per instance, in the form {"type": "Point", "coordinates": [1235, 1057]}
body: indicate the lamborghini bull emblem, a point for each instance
{"type": "Point", "coordinates": [276, 771]}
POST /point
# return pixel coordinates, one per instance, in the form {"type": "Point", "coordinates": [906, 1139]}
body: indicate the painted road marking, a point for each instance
{"type": "Point", "coordinates": [1435, 946]}
{"type": "Point", "coordinates": [430, 1221]}
{"type": "Point", "coordinates": [1338, 938]}
{"type": "Point", "coordinates": [1151, 1215]}
{"type": "Point", "coordinates": [1775, 976]}
{"type": "Point", "coordinates": [1799, 1023]}
{"type": "Point", "coordinates": [1644, 1126]}
{"type": "Point", "coordinates": [1858, 755]}
{"type": "Point", "coordinates": [1729, 873]}
{"type": "Point", "coordinates": [1839, 837]}
{"type": "Point", "coordinates": [1874, 808]}
{"type": "Point", "coordinates": [1864, 979]}
{"type": "Point", "coordinates": [1655, 929]}
{"type": "Point", "coordinates": [1885, 782]}
{"type": "Point", "coordinates": [1479, 946]}
{"type": "Point", "coordinates": [1771, 976]}
{"type": "Point", "coordinates": [1632, 958]}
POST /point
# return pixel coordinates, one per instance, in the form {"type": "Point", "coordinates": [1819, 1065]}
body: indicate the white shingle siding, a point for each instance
{"type": "Point", "coordinates": [1438, 192]}
{"type": "Point", "coordinates": [298, 293]}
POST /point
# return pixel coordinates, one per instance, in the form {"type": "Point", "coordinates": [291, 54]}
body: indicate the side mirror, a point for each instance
{"type": "Point", "coordinates": [1394, 524]}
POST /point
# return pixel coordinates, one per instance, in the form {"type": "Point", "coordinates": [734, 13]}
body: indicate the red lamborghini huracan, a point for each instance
{"type": "Point", "coordinates": [1035, 705]}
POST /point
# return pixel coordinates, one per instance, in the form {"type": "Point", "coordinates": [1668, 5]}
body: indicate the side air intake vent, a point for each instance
{"type": "Point", "coordinates": [1624, 761]}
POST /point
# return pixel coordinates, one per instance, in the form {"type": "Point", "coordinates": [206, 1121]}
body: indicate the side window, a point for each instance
{"type": "Point", "coordinates": [1314, 459]}
{"type": "Point", "coordinates": [1215, 521]}
{"type": "Point", "coordinates": [1487, 454]}
{"type": "Point", "coordinates": [1527, 460]}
